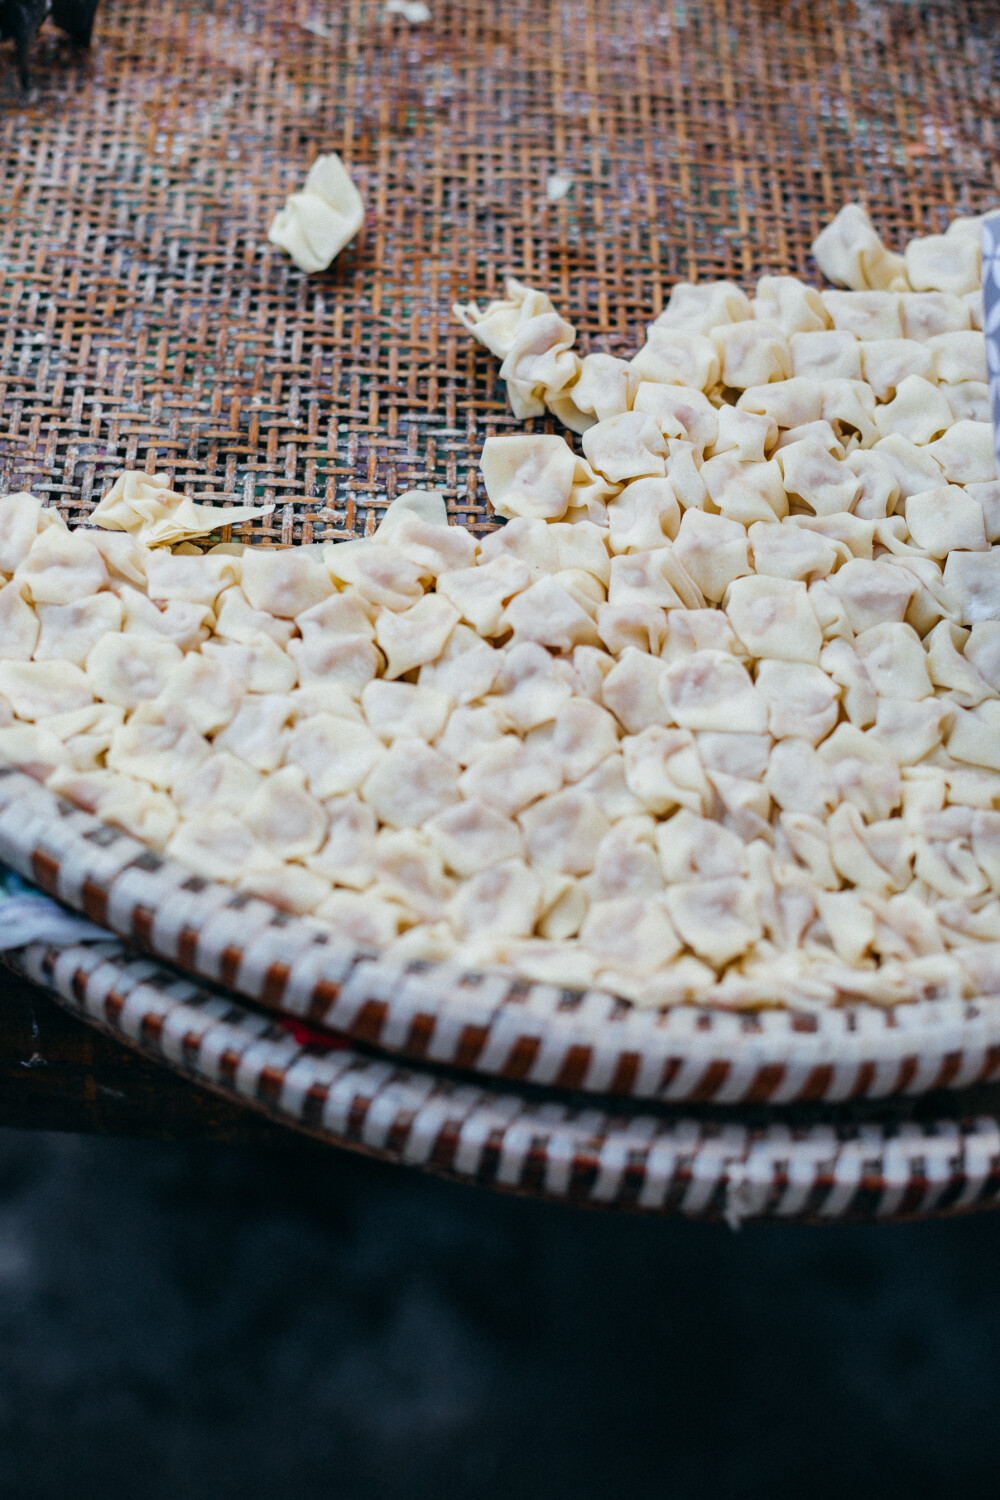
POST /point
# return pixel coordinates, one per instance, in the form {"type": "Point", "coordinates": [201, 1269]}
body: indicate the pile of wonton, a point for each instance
{"type": "Point", "coordinates": [714, 717]}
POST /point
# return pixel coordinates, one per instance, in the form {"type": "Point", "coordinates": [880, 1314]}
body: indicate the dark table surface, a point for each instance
{"type": "Point", "coordinates": [199, 1320]}
{"type": "Point", "coordinates": [211, 1315]}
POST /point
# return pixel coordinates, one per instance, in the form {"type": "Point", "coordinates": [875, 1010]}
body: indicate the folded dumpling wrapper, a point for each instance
{"type": "Point", "coordinates": [414, 11]}
{"type": "Point", "coordinates": [147, 508]}
{"type": "Point", "coordinates": [316, 224]}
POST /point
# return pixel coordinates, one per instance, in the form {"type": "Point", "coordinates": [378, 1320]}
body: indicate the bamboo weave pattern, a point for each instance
{"type": "Point", "coordinates": [145, 321]}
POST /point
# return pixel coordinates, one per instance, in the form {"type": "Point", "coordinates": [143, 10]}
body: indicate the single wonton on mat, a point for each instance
{"type": "Point", "coordinates": [316, 224]}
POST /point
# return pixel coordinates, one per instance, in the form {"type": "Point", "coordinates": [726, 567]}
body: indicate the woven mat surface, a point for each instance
{"type": "Point", "coordinates": [146, 322]}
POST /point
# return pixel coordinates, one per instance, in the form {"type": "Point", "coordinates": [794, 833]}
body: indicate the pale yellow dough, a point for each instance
{"type": "Point", "coordinates": [316, 224]}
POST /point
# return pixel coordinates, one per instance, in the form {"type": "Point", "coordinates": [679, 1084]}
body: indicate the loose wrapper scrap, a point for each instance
{"type": "Point", "coordinates": [147, 508]}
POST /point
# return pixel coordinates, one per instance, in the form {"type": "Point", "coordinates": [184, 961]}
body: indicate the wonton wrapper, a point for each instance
{"type": "Point", "coordinates": [712, 690]}
{"type": "Point", "coordinates": [926, 314]}
{"type": "Point", "coordinates": [184, 625]}
{"type": "Point", "coordinates": [918, 412]}
{"type": "Point", "coordinates": [335, 754]}
{"type": "Point", "coordinates": [684, 473]}
{"type": "Point", "coordinates": [20, 520]}
{"type": "Point", "coordinates": [316, 224]}
{"type": "Point", "coordinates": [424, 505]}
{"type": "Point", "coordinates": [552, 615]}
{"type": "Point", "coordinates": [894, 661]}
{"type": "Point", "coordinates": [61, 567]}
{"type": "Point", "coordinates": [745, 492]}
{"type": "Point", "coordinates": [679, 407]}
{"type": "Point", "coordinates": [814, 476]}
{"type": "Point", "coordinates": [663, 771]}
{"type": "Point", "coordinates": [539, 364]}
{"type": "Point", "coordinates": [946, 519]}
{"type": "Point", "coordinates": [801, 699]}
{"type": "Point", "coordinates": [504, 899]}
{"type": "Point", "coordinates": [284, 817]}
{"type": "Point", "coordinates": [19, 624]}
{"type": "Point", "coordinates": [774, 619]}
{"type": "Point", "coordinates": [700, 307]}
{"type": "Point", "coordinates": [562, 832]}
{"type": "Point", "coordinates": [629, 936]}
{"type": "Point", "coordinates": [129, 670]}
{"type": "Point", "coordinates": [471, 837]}
{"type": "Point", "coordinates": [969, 400]}
{"type": "Point", "coordinates": [788, 403]}
{"type": "Point", "coordinates": [581, 735]}
{"type": "Point", "coordinates": [959, 356]}
{"type": "Point", "coordinates": [381, 576]}
{"type": "Point", "coordinates": [747, 434]}
{"type": "Point", "coordinates": [604, 388]}
{"type": "Point", "coordinates": [479, 594]}
{"type": "Point", "coordinates": [849, 252]}
{"type": "Point", "coordinates": [414, 11]}
{"type": "Point", "coordinates": [944, 263]}
{"type": "Point", "coordinates": [510, 775]}
{"type": "Point", "coordinates": [403, 710]}
{"type": "Point", "coordinates": [222, 783]}
{"type": "Point", "coordinates": [433, 547]}
{"type": "Point", "coordinates": [713, 550]}
{"type": "Point", "coordinates": [643, 516]}
{"type": "Point", "coordinates": [221, 847]}
{"type": "Point", "coordinates": [147, 508]}
{"type": "Point", "coordinates": [497, 326]}
{"type": "Point", "coordinates": [973, 580]}
{"type": "Point", "coordinates": [625, 447]}
{"type": "Point", "coordinates": [831, 354]}
{"type": "Point", "coordinates": [158, 744]}
{"type": "Point", "coordinates": [885, 363]}
{"type": "Point", "coordinates": [913, 469]}
{"type": "Point", "coordinates": [966, 453]}
{"type": "Point", "coordinates": [194, 580]}
{"type": "Point", "coordinates": [868, 315]}
{"type": "Point", "coordinates": [751, 354]}
{"type": "Point", "coordinates": [658, 577]}
{"type": "Point", "coordinates": [716, 918]}
{"type": "Point", "coordinates": [677, 357]}
{"type": "Point", "coordinates": [790, 304]}
{"type": "Point", "coordinates": [41, 689]}
{"type": "Point", "coordinates": [792, 552]}
{"type": "Point", "coordinates": [528, 476]}
{"type": "Point", "coordinates": [285, 583]}
{"type": "Point", "coordinates": [416, 635]}
{"type": "Point", "coordinates": [69, 632]}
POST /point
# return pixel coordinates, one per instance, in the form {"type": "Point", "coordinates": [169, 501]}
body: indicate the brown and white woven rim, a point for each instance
{"type": "Point", "coordinates": [654, 1161]}
{"type": "Point", "coordinates": [489, 1023]}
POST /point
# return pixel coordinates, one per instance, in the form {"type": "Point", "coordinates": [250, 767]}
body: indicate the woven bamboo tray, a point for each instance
{"type": "Point", "coordinates": [846, 1164]}
{"type": "Point", "coordinates": [145, 322]}
{"type": "Point", "coordinates": [490, 1023]}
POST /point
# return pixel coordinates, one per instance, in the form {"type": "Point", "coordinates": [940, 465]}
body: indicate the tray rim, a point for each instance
{"type": "Point", "coordinates": [492, 1025]}
{"type": "Point", "coordinates": [488, 1136]}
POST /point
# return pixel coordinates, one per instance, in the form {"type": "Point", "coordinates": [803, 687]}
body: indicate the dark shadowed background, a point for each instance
{"type": "Point", "coordinates": [188, 1321]}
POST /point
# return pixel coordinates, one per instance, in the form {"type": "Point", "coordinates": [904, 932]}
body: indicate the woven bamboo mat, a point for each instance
{"type": "Point", "coordinates": [145, 321]}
